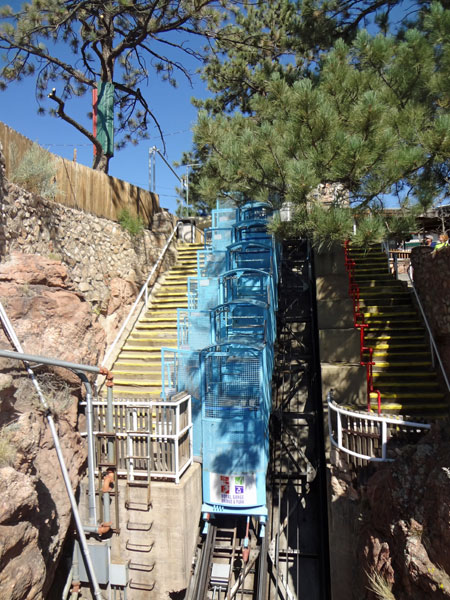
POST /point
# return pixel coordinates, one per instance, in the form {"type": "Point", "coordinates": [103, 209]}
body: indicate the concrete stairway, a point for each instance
{"type": "Point", "coordinates": [403, 371]}
{"type": "Point", "coordinates": [137, 370]}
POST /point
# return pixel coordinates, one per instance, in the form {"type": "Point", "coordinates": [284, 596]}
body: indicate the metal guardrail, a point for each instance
{"type": "Point", "coordinates": [152, 437]}
{"type": "Point", "coordinates": [143, 293]}
{"type": "Point", "coordinates": [395, 258]}
{"type": "Point", "coordinates": [368, 437]}
{"type": "Point", "coordinates": [434, 350]}
{"type": "Point", "coordinates": [359, 323]}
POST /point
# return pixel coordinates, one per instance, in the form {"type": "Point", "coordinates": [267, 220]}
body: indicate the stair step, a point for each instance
{"type": "Point", "coordinates": [137, 344]}
{"type": "Point", "coordinates": [387, 324]}
{"type": "Point", "coordinates": [382, 292]}
{"type": "Point", "coordinates": [388, 330]}
{"type": "Point", "coordinates": [389, 314]}
{"type": "Point", "coordinates": [125, 389]}
{"type": "Point", "coordinates": [138, 382]}
{"type": "Point", "coordinates": [151, 350]}
{"type": "Point", "coordinates": [368, 337]}
{"type": "Point", "coordinates": [423, 386]}
{"type": "Point", "coordinates": [170, 294]}
{"type": "Point", "coordinates": [422, 409]}
{"type": "Point", "coordinates": [396, 365]}
{"type": "Point", "coordinates": [379, 345]}
{"type": "Point", "coordinates": [398, 375]}
{"type": "Point", "coordinates": [124, 366]}
{"type": "Point", "coordinates": [174, 304]}
{"type": "Point", "coordinates": [139, 356]}
{"type": "Point", "coordinates": [392, 354]}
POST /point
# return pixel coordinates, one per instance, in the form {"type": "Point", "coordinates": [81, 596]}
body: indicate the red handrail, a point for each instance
{"type": "Point", "coordinates": [359, 323]}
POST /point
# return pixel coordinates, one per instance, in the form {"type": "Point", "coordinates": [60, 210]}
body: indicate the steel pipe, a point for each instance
{"type": "Point", "coordinates": [51, 423]}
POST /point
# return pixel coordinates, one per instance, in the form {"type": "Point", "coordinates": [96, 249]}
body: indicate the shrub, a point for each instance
{"type": "Point", "coordinates": [134, 225]}
{"type": "Point", "coordinates": [36, 172]}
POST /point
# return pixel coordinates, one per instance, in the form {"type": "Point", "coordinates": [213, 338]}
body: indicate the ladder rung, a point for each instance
{"type": "Point", "coordinates": [133, 547]}
{"type": "Point", "coordinates": [137, 526]}
{"type": "Point", "coordinates": [136, 585]}
{"type": "Point", "coordinates": [135, 566]}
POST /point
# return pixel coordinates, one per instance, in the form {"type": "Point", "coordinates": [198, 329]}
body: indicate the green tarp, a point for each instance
{"type": "Point", "coordinates": [105, 116]}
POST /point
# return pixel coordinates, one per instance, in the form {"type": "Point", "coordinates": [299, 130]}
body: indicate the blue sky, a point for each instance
{"type": "Point", "coordinates": [172, 107]}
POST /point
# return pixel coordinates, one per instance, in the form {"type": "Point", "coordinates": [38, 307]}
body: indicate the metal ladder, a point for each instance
{"type": "Point", "coordinates": [138, 504]}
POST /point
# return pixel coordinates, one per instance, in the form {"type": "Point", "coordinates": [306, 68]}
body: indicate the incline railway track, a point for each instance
{"type": "Point", "coordinates": [291, 562]}
{"type": "Point", "coordinates": [298, 560]}
{"type": "Point", "coordinates": [224, 569]}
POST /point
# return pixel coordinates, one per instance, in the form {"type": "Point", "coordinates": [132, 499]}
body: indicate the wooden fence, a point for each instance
{"type": "Point", "coordinates": [83, 188]}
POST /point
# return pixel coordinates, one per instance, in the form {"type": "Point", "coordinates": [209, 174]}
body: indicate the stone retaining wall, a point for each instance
{"type": "Point", "coordinates": [432, 281]}
{"type": "Point", "coordinates": [95, 250]}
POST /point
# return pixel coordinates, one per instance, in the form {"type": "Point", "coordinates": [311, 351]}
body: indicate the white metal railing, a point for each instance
{"type": "Point", "coordinates": [366, 436]}
{"type": "Point", "coordinates": [152, 437]}
{"type": "Point", "coordinates": [395, 258]}
{"type": "Point", "coordinates": [199, 237]}
{"type": "Point", "coordinates": [143, 293]}
{"type": "Point", "coordinates": [434, 350]}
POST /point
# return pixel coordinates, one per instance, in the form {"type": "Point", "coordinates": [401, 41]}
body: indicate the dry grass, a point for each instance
{"type": "Point", "coordinates": [7, 448]}
{"type": "Point", "coordinates": [57, 392]}
{"type": "Point", "coordinates": [379, 586]}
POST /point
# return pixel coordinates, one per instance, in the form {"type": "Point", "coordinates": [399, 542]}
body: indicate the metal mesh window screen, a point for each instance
{"type": "Point", "coordinates": [255, 212]}
{"type": "Point", "coordinates": [189, 373]}
{"type": "Point", "coordinates": [223, 217]}
{"type": "Point", "coordinates": [207, 293]}
{"type": "Point", "coordinates": [221, 238]}
{"type": "Point", "coordinates": [232, 385]}
{"type": "Point", "coordinates": [194, 330]}
{"type": "Point", "coordinates": [192, 292]}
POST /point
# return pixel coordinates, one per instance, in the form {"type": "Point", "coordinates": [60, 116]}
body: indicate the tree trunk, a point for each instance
{"type": "Point", "coordinates": [101, 162]}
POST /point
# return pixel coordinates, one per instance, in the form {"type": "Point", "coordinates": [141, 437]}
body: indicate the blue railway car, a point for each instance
{"type": "Point", "coordinates": [225, 356]}
{"type": "Point", "coordinates": [236, 406]}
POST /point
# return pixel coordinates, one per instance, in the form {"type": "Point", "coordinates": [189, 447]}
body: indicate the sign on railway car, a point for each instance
{"type": "Point", "coordinates": [233, 490]}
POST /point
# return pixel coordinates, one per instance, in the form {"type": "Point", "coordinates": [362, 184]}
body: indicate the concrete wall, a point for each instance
{"type": "Point", "coordinates": [174, 517]}
{"type": "Point", "coordinates": [338, 339]}
{"type": "Point", "coordinates": [339, 345]}
{"type": "Point", "coordinates": [155, 547]}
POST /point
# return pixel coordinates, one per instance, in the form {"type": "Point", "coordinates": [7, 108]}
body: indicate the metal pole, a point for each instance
{"type": "Point", "coordinates": [187, 190]}
{"type": "Point", "coordinates": [383, 439]}
{"type": "Point", "coordinates": [44, 360]}
{"type": "Point", "coordinates": [65, 474]}
{"type": "Point", "coordinates": [91, 449]}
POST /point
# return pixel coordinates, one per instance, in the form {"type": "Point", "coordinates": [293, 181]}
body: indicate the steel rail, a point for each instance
{"type": "Point", "coordinates": [261, 585]}
{"type": "Point", "coordinates": [143, 292]}
{"type": "Point", "coordinates": [434, 349]}
{"type": "Point", "coordinates": [204, 568]}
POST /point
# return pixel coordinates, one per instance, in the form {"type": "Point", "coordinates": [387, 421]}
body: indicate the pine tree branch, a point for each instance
{"type": "Point", "coordinates": [65, 117]}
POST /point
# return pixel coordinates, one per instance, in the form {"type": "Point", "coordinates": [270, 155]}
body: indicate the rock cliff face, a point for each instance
{"type": "Point", "coordinates": [50, 319]}
{"type": "Point", "coordinates": [406, 534]}
{"type": "Point", "coordinates": [403, 523]}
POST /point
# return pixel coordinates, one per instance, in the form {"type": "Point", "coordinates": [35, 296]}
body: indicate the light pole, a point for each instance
{"type": "Point", "coordinates": [152, 151]}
